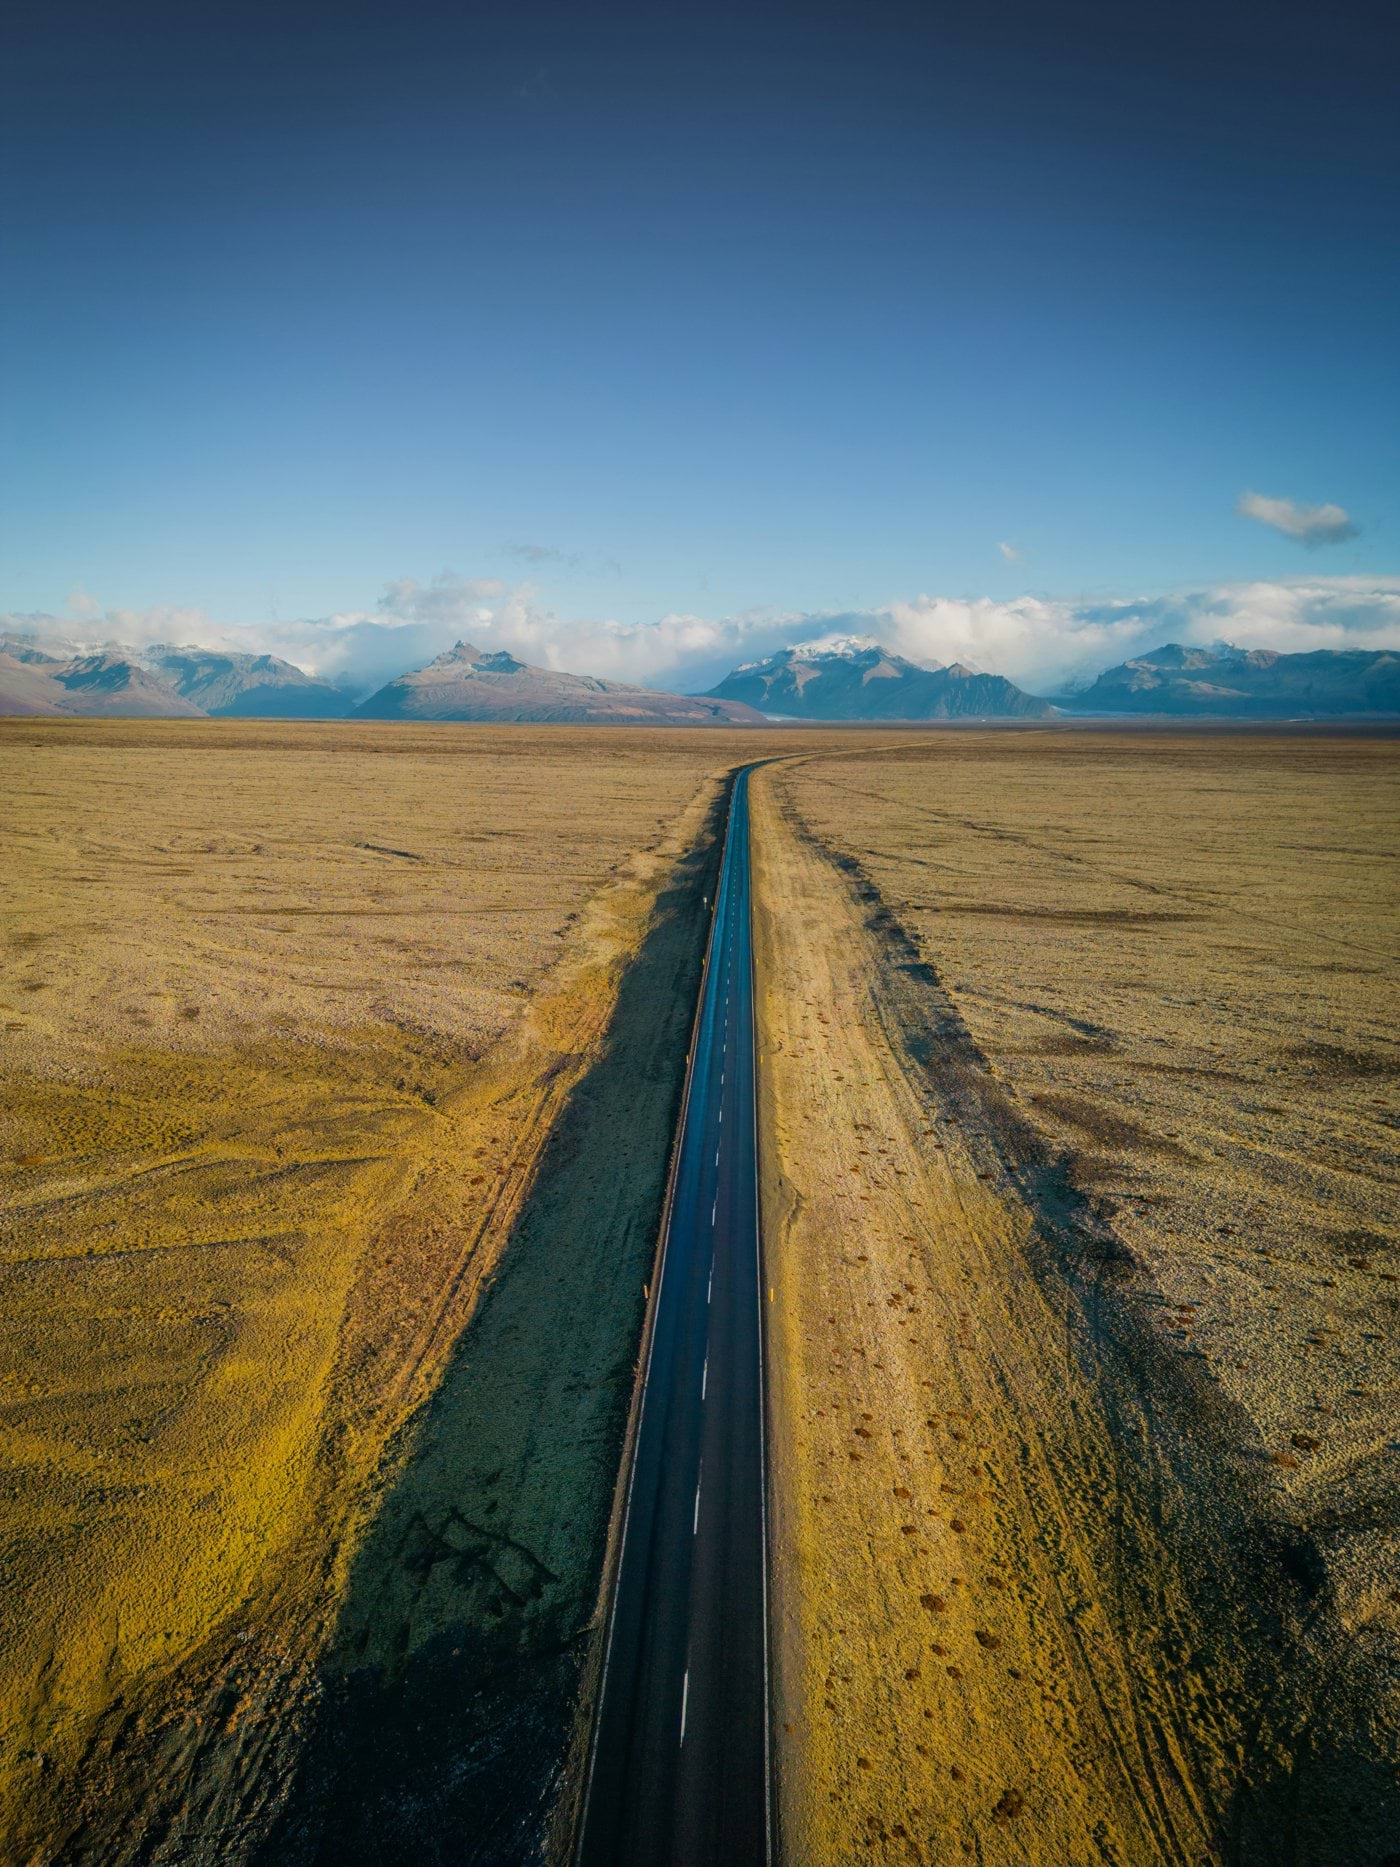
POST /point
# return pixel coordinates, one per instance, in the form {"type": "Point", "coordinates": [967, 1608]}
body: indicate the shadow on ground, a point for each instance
{"type": "Point", "coordinates": [447, 1700]}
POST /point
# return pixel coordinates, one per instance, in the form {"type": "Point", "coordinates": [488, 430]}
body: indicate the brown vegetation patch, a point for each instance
{"type": "Point", "coordinates": [1341, 1063]}
{"type": "Point", "coordinates": [1107, 1126]}
{"type": "Point", "coordinates": [1068, 917]}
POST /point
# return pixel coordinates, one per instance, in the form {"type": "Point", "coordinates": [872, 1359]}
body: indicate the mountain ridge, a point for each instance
{"type": "Point", "coordinates": [104, 684]}
{"type": "Point", "coordinates": [161, 682]}
{"type": "Point", "coordinates": [1226, 682]}
{"type": "Point", "coordinates": [855, 678]}
{"type": "Point", "coordinates": [469, 683]}
{"type": "Point", "coordinates": [226, 684]}
{"type": "Point", "coordinates": [847, 678]}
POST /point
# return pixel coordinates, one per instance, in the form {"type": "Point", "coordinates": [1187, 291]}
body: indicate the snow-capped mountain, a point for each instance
{"type": "Point", "coordinates": [855, 678]}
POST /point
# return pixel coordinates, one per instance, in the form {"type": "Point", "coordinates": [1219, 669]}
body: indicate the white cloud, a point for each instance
{"type": "Point", "coordinates": [1310, 525]}
{"type": "Point", "coordinates": [446, 596]}
{"type": "Point", "coordinates": [1009, 552]}
{"type": "Point", "coordinates": [1043, 643]}
{"type": "Point", "coordinates": [81, 605]}
{"type": "Point", "coordinates": [1040, 642]}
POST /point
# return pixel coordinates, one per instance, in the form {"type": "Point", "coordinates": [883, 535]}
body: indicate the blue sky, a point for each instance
{"type": "Point", "coordinates": [691, 311]}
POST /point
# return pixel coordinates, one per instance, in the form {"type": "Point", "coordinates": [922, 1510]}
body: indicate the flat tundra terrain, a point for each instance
{"type": "Point", "coordinates": [289, 1017]}
{"type": "Point", "coordinates": [1079, 1064]}
{"type": "Point", "coordinates": [342, 1065]}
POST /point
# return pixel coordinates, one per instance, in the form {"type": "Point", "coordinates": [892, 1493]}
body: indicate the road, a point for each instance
{"type": "Point", "coordinates": [679, 1773]}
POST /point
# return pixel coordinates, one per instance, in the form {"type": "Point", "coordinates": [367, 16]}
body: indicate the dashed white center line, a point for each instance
{"type": "Point", "coordinates": [704, 1377]}
{"type": "Point", "coordinates": [695, 1524]}
{"type": "Point", "coordinates": [685, 1699]}
{"type": "Point", "coordinates": [710, 1286]}
{"type": "Point", "coordinates": [713, 1210]}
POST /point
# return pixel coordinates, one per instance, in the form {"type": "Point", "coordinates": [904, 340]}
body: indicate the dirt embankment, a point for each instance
{"type": "Point", "coordinates": [267, 1507]}
{"type": "Point", "coordinates": [448, 1691]}
{"type": "Point", "coordinates": [1046, 1589]}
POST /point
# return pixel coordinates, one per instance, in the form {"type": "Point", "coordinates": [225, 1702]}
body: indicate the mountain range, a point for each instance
{"type": "Point", "coordinates": [229, 686]}
{"type": "Point", "coordinates": [856, 679]}
{"type": "Point", "coordinates": [158, 683]}
{"type": "Point", "coordinates": [106, 685]}
{"type": "Point", "coordinates": [471, 684]}
{"type": "Point", "coordinates": [1248, 683]}
{"type": "Point", "coordinates": [466, 683]}
{"type": "Point", "coordinates": [852, 678]}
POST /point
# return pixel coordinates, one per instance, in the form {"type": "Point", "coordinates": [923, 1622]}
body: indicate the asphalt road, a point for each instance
{"type": "Point", "coordinates": [679, 1771]}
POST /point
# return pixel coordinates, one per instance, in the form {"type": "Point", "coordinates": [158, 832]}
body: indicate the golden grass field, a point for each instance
{"type": "Point", "coordinates": [1079, 1070]}
{"type": "Point", "coordinates": [288, 1015]}
{"type": "Point", "coordinates": [342, 1064]}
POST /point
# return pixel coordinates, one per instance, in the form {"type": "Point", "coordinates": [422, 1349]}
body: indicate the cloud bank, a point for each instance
{"type": "Point", "coordinates": [1310, 525]}
{"type": "Point", "coordinates": [1043, 643]}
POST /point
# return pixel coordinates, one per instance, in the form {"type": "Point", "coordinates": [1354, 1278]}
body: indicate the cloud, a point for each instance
{"type": "Point", "coordinates": [448, 595]}
{"type": "Point", "coordinates": [81, 605]}
{"type": "Point", "coordinates": [1009, 552]}
{"type": "Point", "coordinates": [1309, 525]}
{"type": "Point", "coordinates": [544, 554]}
{"type": "Point", "coordinates": [569, 560]}
{"type": "Point", "coordinates": [1041, 642]}
{"type": "Point", "coordinates": [1044, 643]}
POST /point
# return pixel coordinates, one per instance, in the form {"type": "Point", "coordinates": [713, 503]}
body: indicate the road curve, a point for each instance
{"type": "Point", "coordinates": [679, 1772]}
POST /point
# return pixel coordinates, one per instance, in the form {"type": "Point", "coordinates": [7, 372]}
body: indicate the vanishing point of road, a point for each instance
{"type": "Point", "coordinates": [679, 1775]}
